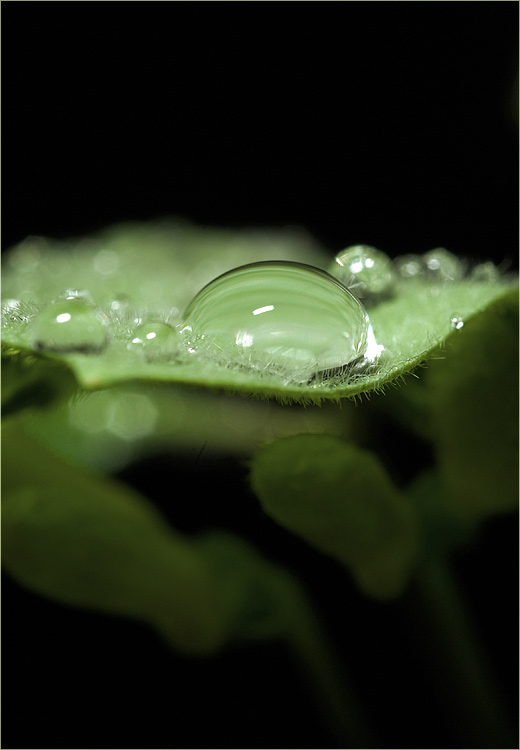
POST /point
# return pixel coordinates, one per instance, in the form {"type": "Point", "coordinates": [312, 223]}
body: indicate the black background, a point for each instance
{"type": "Point", "coordinates": [391, 124]}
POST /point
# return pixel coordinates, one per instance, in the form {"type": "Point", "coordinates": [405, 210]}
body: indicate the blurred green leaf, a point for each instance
{"type": "Point", "coordinates": [473, 404]}
{"type": "Point", "coordinates": [30, 381]}
{"type": "Point", "coordinates": [89, 541]}
{"type": "Point", "coordinates": [340, 499]}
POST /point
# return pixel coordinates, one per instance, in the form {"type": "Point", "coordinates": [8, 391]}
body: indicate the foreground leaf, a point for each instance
{"type": "Point", "coordinates": [87, 541]}
{"type": "Point", "coordinates": [150, 272]}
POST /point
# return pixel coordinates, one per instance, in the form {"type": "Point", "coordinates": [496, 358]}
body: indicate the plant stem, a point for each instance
{"type": "Point", "coordinates": [467, 685]}
{"type": "Point", "coordinates": [336, 698]}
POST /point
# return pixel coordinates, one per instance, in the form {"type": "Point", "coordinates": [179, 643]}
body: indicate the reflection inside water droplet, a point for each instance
{"type": "Point", "coordinates": [278, 317]}
{"type": "Point", "coordinates": [156, 341]}
{"type": "Point", "coordinates": [70, 324]}
{"type": "Point", "coordinates": [365, 271]}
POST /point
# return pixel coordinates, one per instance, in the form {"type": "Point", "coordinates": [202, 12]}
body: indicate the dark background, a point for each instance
{"type": "Point", "coordinates": [392, 124]}
{"type": "Point", "coordinates": [386, 123]}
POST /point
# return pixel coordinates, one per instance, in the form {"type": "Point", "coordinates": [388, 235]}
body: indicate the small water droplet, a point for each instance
{"type": "Point", "coordinates": [156, 341]}
{"type": "Point", "coordinates": [365, 271]}
{"type": "Point", "coordinates": [409, 266]}
{"type": "Point", "coordinates": [278, 317]}
{"type": "Point", "coordinates": [121, 305]}
{"type": "Point", "coordinates": [456, 322]}
{"type": "Point", "coordinates": [441, 265]}
{"type": "Point", "coordinates": [485, 272]}
{"type": "Point", "coordinates": [71, 323]}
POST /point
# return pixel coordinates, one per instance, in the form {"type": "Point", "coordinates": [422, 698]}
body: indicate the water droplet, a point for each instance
{"type": "Point", "coordinates": [365, 271]}
{"type": "Point", "coordinates": [280, 317]}
{"type": "Point", "coordinates": [456, 322]}
{"type": "Point", "coordinates": [156, 341]}
{"type": "Point", "coordinates": [409, 266]}
{"type": "Point", "coordinates": [441, 265]}
{"type": "Point", "coordinates": [485, 272]}
{"type": "Point", "coordinates": [71, 323]}
{"type": "Point", "coordinates": [121, 305]}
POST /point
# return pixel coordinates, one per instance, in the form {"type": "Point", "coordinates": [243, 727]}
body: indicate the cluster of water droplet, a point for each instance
{"type": "Point", "coordinates": [280, 319]}
{"type": "Point", "coordinates": [371, 275]}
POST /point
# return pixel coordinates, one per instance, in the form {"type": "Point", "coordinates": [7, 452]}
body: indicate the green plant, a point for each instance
{"type": "Point", "coordinates": [93, 380]}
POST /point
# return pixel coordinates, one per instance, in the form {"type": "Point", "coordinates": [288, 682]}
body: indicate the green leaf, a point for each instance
{"type": "Point", "coordinates": [89, 541]}
{"type": "Point", "coordinates": [151, 272]}
{"type": "Point", "coordinates": [473, 404]}
{"type": "Point", "coordinates": [30, 381]}
{"type": "Point", "coordinates": [340, 499]}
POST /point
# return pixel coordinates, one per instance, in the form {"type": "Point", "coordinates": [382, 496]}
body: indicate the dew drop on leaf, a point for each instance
{"type": "Point", "coordinates": [71, 323]}
{"type": "Point", "coordinates": [441, 265]}
{"type": "Point", "coordinates": [365, 271]}
{"type": "Point", "coordinates": [409, 266]}
{"type": "Point", "coordinates": [156, 341]}
{"type": "Point", "coordinates": [278, 316]}
{"type": "Point", "coordinates": [485, 272]}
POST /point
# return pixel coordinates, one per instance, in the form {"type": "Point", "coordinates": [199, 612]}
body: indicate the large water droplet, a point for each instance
{"type": "Point", "coordinates": [70, 324]}
{"type": "Point", "coordinates": [156, 341]}
{"type": "Point", "coordinates": [365, 271]}
{"type": "Point", "coordinates": [281, 317]}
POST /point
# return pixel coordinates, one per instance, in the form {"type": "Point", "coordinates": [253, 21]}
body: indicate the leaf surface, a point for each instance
{"type": "Point", "coordinates": [151, 272]}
